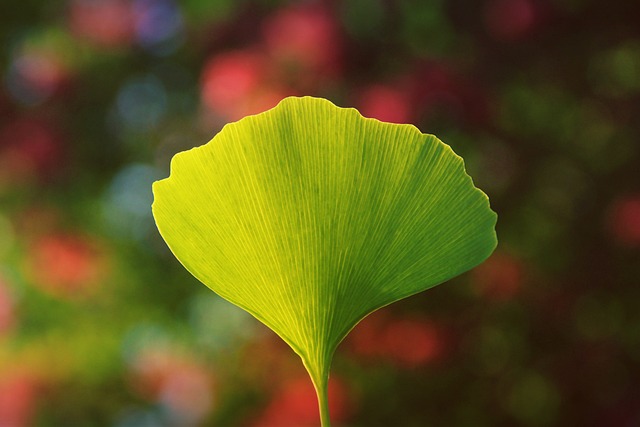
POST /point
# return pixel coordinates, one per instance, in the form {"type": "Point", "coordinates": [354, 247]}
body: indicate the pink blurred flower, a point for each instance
{"type": "Point", "coordinates": [182, 385]}
{"type": "Point", "coordinates": [296, 405]}
{"type": "Point", "coordinates": [624, 220]}
{"type": "Point", "coordinates": [300, 50]}
{"type": "Point", "coordinates": [499, 278]}
{"type": "Point", "coordinates": [66, 265]}
{"type": "Point", "coordinates": [36, 75]}
{"type": "Point", "coordinates": [386, 104]}
{"type": "Point", "coordinates": [30, 149]}
{"type": "Point", "coordinates": [236, 84]}
{"type": "Point", "coordinates": [18, 394]}
{"type": "Point", "coordinates": [510, 20]}
{"type": "Point", "coordinates": [188, 392]}
{"type": "Point", "coordinates": [106, 23]}
{"type": "Point", "coordinates": [304, 41]}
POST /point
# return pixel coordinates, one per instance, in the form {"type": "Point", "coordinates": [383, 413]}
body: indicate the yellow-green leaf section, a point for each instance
{"type": "Point", "coordinates": [310, 216]}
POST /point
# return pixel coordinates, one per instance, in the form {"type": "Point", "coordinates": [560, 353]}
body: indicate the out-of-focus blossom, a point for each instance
{"type": "Point", "coordinates": [188, 392]}
{"type": "Point", "coordinates": [386, 104]}
{"type": "Point", "coordinates": [364, 340]}
{"type": "Point", "coordinates": [30, 150]}
{"type": "Point", "coordinates": [65, 265]}
{"type": "Point", "coordinates": [304, 41]}
{"type": "Point", "coordinates": [300, 50]}
{"type": "Point", "coordinates": [36, 75]}
{"type": "Point", "coordinates": [7, 309]}
{"type": "Point", "coordinates": [500, 277]}
{"type": "Point", "coordinates": [296, 405]}
{"type": "Point", "coordinates": [177, 382]}
{"type": "Point", "coordinates": [106, 23]}
{"type": "Point", "coordinates": [406, 342]}
{"type": "Point", "coordinates": [412, 342]}
{"type": "Point", "coordinates": [237, 83]}
{"type": "Point", "coordinates": [43, 65]}
{"type": "Point", "coordinates": [510, 20]}
{"type": "Point", "coordinates": [18, 394]}
{"type": "Point", "coordinates": [158, 25]}
{"type": "Point", "coordinates": [228, 79]}
{"type": "Point", "coordinates": [624, 220]}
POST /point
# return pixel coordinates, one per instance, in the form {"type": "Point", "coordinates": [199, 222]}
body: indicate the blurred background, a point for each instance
{"type": "Point", "coordinates": [100, 325]}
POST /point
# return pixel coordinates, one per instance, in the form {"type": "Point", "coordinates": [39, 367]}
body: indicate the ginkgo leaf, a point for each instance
{"type": "Point", "coordinates": [310, 216]}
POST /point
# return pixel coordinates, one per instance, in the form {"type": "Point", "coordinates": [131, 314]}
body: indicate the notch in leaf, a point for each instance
{"type": "Point", "coordinates": [310, 217]}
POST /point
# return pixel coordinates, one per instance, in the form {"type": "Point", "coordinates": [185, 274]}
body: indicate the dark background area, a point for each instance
{"type": "Point", "coordinates": [100, 325]}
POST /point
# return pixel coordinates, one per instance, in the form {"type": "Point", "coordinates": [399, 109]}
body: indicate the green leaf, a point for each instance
{"type": "Point", "coordinates": [310, 217]}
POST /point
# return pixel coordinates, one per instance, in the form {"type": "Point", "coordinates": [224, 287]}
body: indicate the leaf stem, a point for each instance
{"type": "Point", "coordinates": [323, 400]}
{"type": "Point", "coordinates": [319, 373]}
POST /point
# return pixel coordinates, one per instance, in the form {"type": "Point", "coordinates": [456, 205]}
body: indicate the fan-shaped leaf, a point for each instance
{"type": "Point", "coordinates": [310, 217]}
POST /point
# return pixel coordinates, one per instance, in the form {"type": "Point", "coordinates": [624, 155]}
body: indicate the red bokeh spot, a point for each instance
{"type": "Point", "coordinates": [264, 100]}
{"type": "Point", "coordinates": [406, 342]}
{"type": "Point", "coordinates": [385, 104]}
{"type": "Point", "coordinates": [411, 343]}
{"type": "Point", "coordinates": [107, 23]}
{"type": "Point", "coordinates": [304, 38]}
{"type": "Point", "coordinates": [65, 265]}
{"type": "Point", "coordinates": [296, 405]}
{"type": "Point", "coordinates": [18, 393]}
{"type": "Point", "coordinates": [364, 340]}
{"type": "Point", "coordinates": [229, 79]}
{"type": "Point", "coordinates": [624, 221]}
{"type": "Point", "coordinates": [236, 84]}
{"type": "Point", "coordinates": [29, 150]}
{"type": "Point", "coordinates": [509, 20]}
{"type": "Point", "coordinates": [500, 277]}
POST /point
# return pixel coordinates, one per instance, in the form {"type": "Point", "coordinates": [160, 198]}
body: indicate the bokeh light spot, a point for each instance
{"type": "Point", "coordinates": [142, 102]}
{"type": "Point", "coordinates": [534, 400]}
{"type": "Point", "coordinates": [220, 325]}
{"type": "Point", "coordinates": [106, 23]}
{"type": "Point", "coordinates": [127, 201]}
{"type": "Point", "coordinates": [385, 104]}
{"type": "Point", "coordinates": [158, 25]}
{"type": "Point", "coordinates": [66, 265]}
